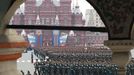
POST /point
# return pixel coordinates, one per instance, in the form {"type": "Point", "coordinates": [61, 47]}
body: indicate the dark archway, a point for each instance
{"type": "Point", "coordinates": [117, 16]}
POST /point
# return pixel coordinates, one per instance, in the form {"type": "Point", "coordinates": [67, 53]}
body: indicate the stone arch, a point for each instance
{"type": "Point", "coordinates": [8, 14]}
{"type": "Point", "coordinates": [99, 13]}
{"type": "Point", "coordinates": [113, 14]}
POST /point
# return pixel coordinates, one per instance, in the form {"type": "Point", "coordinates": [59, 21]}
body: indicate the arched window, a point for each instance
{"type": "Point", "coordinates": [52, 21]}
{"type": "Point", "coordinates": [29, 21]}
{"type": "Point", "coordinates": [65, 21]}
{"type": "Point", "coordinates": [42, 21]}
{"type": "Point", "coordinates": [47, 20]}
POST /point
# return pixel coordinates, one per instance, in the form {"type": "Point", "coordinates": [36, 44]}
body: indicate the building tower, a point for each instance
{"type": "Point", "coordinates": [77, 15]}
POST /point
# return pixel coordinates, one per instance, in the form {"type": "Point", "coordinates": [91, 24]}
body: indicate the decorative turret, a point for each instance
{"type": "Point", "coordinates": [38, 20]}
{"type": "Point", "coordinates": [77, 8]}
{"type": "Point", "coordinates": [71, 33]}
{"type": "Point", "coordinates": [19, 11]}
{"type": "Point", "coordinates": [23, 33]}
{"type": "Point", "coordinates": [73, 7]}
{"type": "Point", "coordinates": [57, 20]}
{"type": "Point", "coordinates": [19, 17]}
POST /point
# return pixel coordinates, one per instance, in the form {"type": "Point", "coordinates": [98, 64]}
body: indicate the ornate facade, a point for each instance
{"type": "Point", "coordinates": [44, 12]}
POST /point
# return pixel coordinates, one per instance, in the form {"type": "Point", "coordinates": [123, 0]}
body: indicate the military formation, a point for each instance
{"type": "Point", "coordinates": [92, 54]}
{"type": "Point", "coordinates": [77, 69]}
{"type": "Point", "coordinates": [75, 61]}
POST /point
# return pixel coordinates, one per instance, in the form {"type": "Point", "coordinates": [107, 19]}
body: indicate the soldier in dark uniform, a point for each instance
{"type": "Point", "coordinates": [61, 67]}
{"type": "Point", "coordinates": [71, 70]}
{"type": "Point", "coordinates": [132, 67]}
{"type": "Point", "coordinates": [80, 70]}
{"type": "Point", "coordinates": [127, 70]}
{"type": "Point", "coordinates": [57, 70]}
{"type": "Point", "coordinates": [47, 69]}
{"type": "Point", "coordinates": [99, 69]}
{"type": "Point", "coordinates": [115, 69]}
{"type": "Point", "coordinates": [89, 69]}
{"type": "Point", "coordinates": [28, 73]}
{"type": "Point", "coordinates": [52, 69]}
{"type": "Point", "coordinates": [109, 70]}
{"type": "Point", "coordinates": [68, 69]}
{"type": "Point", "coordinates": [76, 69]}
{"type": "Point", "coordinates": [65, 69]}
{"type": "Point", "coordinates": [35, 73]}
{"type": "Point", "coordinates": [22, 72]}
{"type": "Point", "coordinates": [85, 70]}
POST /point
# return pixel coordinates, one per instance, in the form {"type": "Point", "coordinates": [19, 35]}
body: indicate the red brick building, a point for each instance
{"type": "Point", "coordinates": [44, 12]}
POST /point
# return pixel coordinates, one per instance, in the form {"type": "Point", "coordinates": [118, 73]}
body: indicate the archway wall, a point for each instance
{"type": "Point", "coordinates": [8, 9]}
{"type": "Point", "coordinates": [117, 17]}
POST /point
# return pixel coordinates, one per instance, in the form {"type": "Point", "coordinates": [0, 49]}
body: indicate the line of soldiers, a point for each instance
{"type": "Point", "coordinates": [80, 57]}
{"type": "Point", "coordinates": [76, 61]}
{"type": "Point", "coordinates": [90, 54]}
{"type": "Point", "coordinates": [76, 69]}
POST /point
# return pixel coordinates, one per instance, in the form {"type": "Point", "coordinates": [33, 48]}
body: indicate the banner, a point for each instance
{"type": "Point", "coordinates": [63, 39]}
{"type": "Point", "coordinates": [55, 38]}
{"type": "Point", "coordinates": [41, 40]}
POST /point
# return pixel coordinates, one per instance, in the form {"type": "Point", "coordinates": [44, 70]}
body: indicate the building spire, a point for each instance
{"type": "Point", "coordinates": [19, 11]}
{"type": "Point", "coordinates": [57, 20]}
{"type": "Point", "coordinates": [77, 9]}
{"type": "Point", "coordinates": [77, 3]}
{"type": "Point", "coordinates": [73, 6]}
{"type": "Point", "coordinates": [23, 33]}
{"type": "Point", "coordinates": [38, 20]}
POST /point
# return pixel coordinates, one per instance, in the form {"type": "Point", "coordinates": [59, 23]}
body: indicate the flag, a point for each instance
{"type": "Point", "coordinates": [63, 39]}
{"type": "Point", "coordinates": [41, 40]}
{"type": "Point", "coordinates": [59, 39]}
